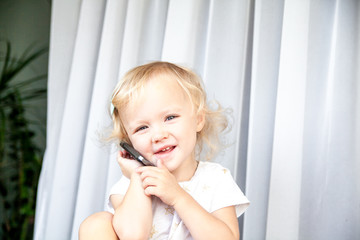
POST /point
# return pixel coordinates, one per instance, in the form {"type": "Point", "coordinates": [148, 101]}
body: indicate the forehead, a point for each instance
{"type": "Point", "coordinates": [157, 94]}
{"type": "Point", "coordinates": [161, 81]}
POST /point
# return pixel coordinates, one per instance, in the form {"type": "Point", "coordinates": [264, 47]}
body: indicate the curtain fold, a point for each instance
{"type": "Point", "coordinates": [287, 68]}
{"type": "Point", "coordinates": [330, 184]}
{"type": "Point", "coordinates": [95, 159]}
{"type": "Point", "coordinates": [268, 18]}
{"type": "Point", "coordinates": [285, 182]}
{"type": "Point", "coordinates": [62, 42]}
{"type": "Point", "coordinates": [74, 120]}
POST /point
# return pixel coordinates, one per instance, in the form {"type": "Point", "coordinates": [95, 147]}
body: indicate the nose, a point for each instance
{"type": "Point", "coordinates": [159, 135]}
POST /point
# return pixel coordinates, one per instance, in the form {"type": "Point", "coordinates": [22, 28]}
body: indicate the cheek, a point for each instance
{"type": "Point", "coordinates": [188, 129]}
{"type": "Point", "coordinates": [189, 135]}
{"type": "Point", "coordinates": [141, 144]}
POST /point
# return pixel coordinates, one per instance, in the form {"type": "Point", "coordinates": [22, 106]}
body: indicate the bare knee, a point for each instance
{"type": "Point", "coordinates": [97, 226]}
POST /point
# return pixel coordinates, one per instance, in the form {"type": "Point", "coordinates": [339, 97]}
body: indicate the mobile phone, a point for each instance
{"type": "Point", "coordinates": [135, 154]}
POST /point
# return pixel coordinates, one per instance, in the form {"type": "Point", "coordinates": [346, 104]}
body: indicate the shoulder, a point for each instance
{"type": "Point", "coordinates": [213, 168]}
{"type": "Point", "coordinates": [210, 165]}
{"type": "Point", "coordinates": [214, 174]}
{"type": "Point", "coordinates": [224, 190]}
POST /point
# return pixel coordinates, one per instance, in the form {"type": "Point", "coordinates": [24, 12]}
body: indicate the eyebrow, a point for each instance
{"type": "Point", "coordinates": [173, 109]}
{"type": "Point", "coordinates": [176, 109]}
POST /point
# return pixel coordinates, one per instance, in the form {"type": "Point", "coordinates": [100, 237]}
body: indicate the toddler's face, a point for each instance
{"type": "Point", "coordinates": [162, 124]}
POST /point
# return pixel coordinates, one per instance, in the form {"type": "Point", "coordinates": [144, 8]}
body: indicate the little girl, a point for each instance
{"type": "Point", "coordinates": [161, 110]}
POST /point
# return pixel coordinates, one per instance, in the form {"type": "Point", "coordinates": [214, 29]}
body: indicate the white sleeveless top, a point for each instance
{"type": "Point", "coordinates": [212, 186]}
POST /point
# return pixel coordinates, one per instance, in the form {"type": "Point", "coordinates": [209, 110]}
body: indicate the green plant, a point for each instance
{"type": "Point", "coordinates": [20, 157]}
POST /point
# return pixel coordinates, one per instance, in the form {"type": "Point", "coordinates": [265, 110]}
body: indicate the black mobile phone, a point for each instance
{"type": "Point", "coordinates": [135, 154]}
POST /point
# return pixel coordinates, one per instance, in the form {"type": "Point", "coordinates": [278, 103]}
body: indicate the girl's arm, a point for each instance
{"type": "Point", "coordinates": [133, 214]}
{"type": "Point", "coordinates": [221, 224]}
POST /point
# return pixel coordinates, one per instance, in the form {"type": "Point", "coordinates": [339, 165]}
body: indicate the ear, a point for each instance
{"type": "Point", "coordinates": [200, 121]}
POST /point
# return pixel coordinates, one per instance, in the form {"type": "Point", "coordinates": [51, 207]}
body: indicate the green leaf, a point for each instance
{"type": "Point", "coordinates": [20, 157]}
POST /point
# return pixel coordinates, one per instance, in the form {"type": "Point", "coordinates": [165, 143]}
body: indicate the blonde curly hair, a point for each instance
{"type": "Point", "coordinates": [132, 84]}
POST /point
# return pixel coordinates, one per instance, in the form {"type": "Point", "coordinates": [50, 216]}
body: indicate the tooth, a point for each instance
{"type": "Point", "coordinates": [165, 149]}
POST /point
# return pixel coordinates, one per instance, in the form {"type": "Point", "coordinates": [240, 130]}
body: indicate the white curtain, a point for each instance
{"type": "Point", "coordinates": [288, 68]}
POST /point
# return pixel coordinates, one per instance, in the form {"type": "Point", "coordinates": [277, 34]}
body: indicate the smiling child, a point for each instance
{"type": "Point", "coordinates": [161, 110]}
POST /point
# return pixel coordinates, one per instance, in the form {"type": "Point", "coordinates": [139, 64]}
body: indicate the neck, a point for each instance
{"type": "Point", "coordinates": [187, 172]}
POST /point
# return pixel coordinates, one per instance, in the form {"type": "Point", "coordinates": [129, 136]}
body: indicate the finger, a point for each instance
{"type": "Point", "coordinates": [122, 154]}
{"type": "Point", "coordinates": [127, 163]}
{"type": "Point", "coordinates": [149, 181]}
{"type": "Point", "coordinates": [154, 160]}
{"type": "Point", "coordinates": [146, 172]}
{"type": "Point", "coordinates": [119, 156]}
{"type": "Point", "coordinates": [160, 164]}
{"type": "Point", "coordinates": [141, 170]}
{"type": "Point", "coordinates": [151, 190]}
{"type": "Point", "coordinates": [146, 169]}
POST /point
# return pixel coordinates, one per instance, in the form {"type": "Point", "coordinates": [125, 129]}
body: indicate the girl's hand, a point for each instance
{"type": "Point", "coordinates": [127, 164]}
{"type": "Point", "coordinates": [158, 181]}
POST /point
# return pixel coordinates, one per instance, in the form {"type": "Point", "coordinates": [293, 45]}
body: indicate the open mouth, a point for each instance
{"type": "Point", "coordinates": [165, 150]}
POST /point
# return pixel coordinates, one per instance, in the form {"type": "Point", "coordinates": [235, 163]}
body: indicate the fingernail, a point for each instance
{"type": "Point", "coordinates": [155, 160]}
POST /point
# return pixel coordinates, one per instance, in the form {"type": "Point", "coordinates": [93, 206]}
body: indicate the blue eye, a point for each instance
{"type": "Point", "coordinates": [170, 117]}
{"type": "Point", "coordinates": [141, 128]}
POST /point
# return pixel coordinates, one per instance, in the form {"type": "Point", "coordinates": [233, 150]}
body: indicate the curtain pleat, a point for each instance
{"type": "Point", "coordinates": [70, 149]}
{"type": "Point", "coordinates": [287, 69]}
{"type": "Point", "coordinates": [268, 18]}
{"type": "Point", "coordinates": [95, 159]}
{"type": "Point", "coordinates": [285, 181]}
